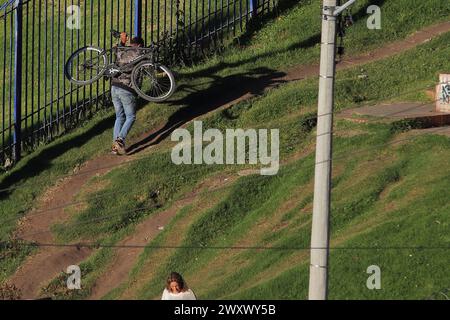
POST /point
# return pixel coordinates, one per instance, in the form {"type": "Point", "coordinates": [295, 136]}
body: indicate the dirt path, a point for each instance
{"type": "Point", "coordinates": [43, 266]}
{"type": "Point", "coordinates": [414, 40]}
{"type": "Point", "coordinates": [126, 257]}
{"type": "Point", "coordinates": [50, 261]}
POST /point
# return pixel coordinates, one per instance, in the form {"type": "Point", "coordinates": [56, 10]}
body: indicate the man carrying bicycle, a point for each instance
{"type": "Point", "coordinates": [122, 93]}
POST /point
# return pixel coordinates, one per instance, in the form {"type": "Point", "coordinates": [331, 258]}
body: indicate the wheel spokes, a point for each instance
{"type": "Point", "coordinates": [154, 82]}
{"type": "Point", "coordinates": [87, 65]}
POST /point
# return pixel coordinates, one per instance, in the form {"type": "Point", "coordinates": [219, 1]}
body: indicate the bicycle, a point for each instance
{"type": "Point", "coordinates": [152, 81]}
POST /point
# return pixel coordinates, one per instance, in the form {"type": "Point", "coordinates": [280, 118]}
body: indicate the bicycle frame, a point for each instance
{"type": "Point", "coordinates": [113, 69]}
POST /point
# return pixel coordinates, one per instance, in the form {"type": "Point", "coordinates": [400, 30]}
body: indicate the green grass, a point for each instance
{"type": "Point", "coordinates": [354, 200]}
{"type": "Point", "coordinates": [289, 108]}
{"type": "Point", "coordinates": [418, 221]}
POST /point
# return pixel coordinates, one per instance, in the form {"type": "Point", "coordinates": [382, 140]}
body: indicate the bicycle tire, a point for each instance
{"type": "Point", "coordinates": [68, 65]}
{"type": "Point", "coordinates": [134, 80]}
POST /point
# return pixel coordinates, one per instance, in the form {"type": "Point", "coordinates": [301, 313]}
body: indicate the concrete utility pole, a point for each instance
{"type": "Point", "coordinates": [318, 281]}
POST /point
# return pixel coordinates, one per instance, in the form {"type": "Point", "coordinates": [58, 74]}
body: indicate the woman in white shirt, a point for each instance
{"type": "Point", "coordinates": [176, 289]}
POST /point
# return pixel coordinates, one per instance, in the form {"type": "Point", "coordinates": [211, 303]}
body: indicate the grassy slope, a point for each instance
{"type": "Point", "coordinates": [383, 197]}
{"type": "Point", "coordinates": [248, 114]}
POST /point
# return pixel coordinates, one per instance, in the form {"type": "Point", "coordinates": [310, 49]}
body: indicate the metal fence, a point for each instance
{"type": "Point", "coordinates": [37, 36]}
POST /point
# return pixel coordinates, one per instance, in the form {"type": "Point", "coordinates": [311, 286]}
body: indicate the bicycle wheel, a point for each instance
{"type": "Point", "coordinates": [86, 65]}
{"type": "Point", "coordinates": [153, 82]}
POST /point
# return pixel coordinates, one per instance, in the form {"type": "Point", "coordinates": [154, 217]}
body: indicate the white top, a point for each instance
{"type": "Point", "coordinates": [187, 295]}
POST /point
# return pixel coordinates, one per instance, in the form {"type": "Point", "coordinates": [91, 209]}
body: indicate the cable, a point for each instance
{"type": "Point", "coordinates": [101, 196]}
{"type": "Point", "coordinates": [118, 214]}
{"type": "Point", "coordinates": [98, 245]}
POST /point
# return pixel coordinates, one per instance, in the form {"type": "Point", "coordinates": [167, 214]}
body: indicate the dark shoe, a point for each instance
{"type": "Point", "coordinates": [120, 146]}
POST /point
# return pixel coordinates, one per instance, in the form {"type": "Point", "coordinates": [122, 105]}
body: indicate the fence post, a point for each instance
{"type": "Point", "coordinates": [138, 18]}
{"type": "Point", "coordinates": [18, 32]}
{"type": "Point", "coordinates": [253, 8]}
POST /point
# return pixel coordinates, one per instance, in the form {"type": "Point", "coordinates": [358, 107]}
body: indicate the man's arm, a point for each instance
{"type": "Point", "coordinates": [123, 43]}
{"type": "Point", "coordinates": [123, 38]}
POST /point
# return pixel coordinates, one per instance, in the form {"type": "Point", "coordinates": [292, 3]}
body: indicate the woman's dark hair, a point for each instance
{"type": "Point", "coordinates": [138, 40]}
{"type": "Point", "coordinates": [176, 277]}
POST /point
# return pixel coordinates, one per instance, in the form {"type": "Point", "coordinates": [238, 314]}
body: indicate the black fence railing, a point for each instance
{"type": "Point", "coordinates": [37, 36]}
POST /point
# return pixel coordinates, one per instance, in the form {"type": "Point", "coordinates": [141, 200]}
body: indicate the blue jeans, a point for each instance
{"type": "Point", "coordinates": [125, 106]}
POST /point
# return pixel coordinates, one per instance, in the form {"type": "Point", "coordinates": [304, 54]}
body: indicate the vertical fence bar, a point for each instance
{"type": "Point", "coordinates": [97, 84]}
{"type": "Point", "coordinates": [118, 16]}
{"type": "Point", "coordinates": [165, 23]}
{"type": "Point", "coordinates": [190, 24]}
{"type": "Point", "coordinates": [71, 85]}
{"type": "Point", "coordinates": [78, 108]}
{"type": "Point", "coordinates": [64, 59]}
{"type": "Point", "coordinates": [58, 64]}
{"type": "Point", "coordinates": [177, 20]}
{"type": "Point", "coordinates": [253, 8]}
{"type": "Point", "coordinates": [151, 21]}
{"type": "Point", "coordinates": [33, 20]}
{"type": "Point", "coordinates": [234, 18]}
{"type": "Point", "coordinates": [124, 16]}
{"type": "Point", "coordinates": [145, 21]}
{"type": "Point", "coordinates": [190, 30]}
{"type": "Point", "coordinates": [203, 22]}
{"type": "Point", "coordinates": [18, 31]}
{"type": "Point", "coordinates": [215, 18]}
{"type": "Point", "coordinates": [111, 23]}
{"type": "Point", "coordinates": [85, 5]}
{"type": "Point", "coordinates": [228, 16]}
{"type": "Point", "coordinates": [11, 82]}
{"type": "Point", "coordinates": [184, 27]}
{"type": "Point", "coordinates": [52, 62]}
{"type": "Point", "coordinates": [26, 75]}
{"type": "Point", "coordinates": [221, 20]}
{"type": "Point", "coordinates": [138, 18]}
{"type": "Point", "coordinates": [45, 69]}
{"type": "Point", "coordinates": [131, 11]}
{"type": "Point", "coordinates": [196, 21]}
{"type": "Point", "coordinates": [91, 40]}
{"type": "Point", "coordinates": [4, 86]}
{"type": "Point", "coordinates": [158, 27]}
{"type": "Point", "coordinates": [240, 15]}
{"type": "Point", "coordinates": [105, 45]}
{"type": "Point", "coordinates": [171, 22]}
{"type": "Point", "coordinates": [208, 21]}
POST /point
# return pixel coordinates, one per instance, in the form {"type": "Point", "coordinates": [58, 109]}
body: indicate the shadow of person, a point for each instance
{"type": "Point", "coordinates": [223, 91]}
